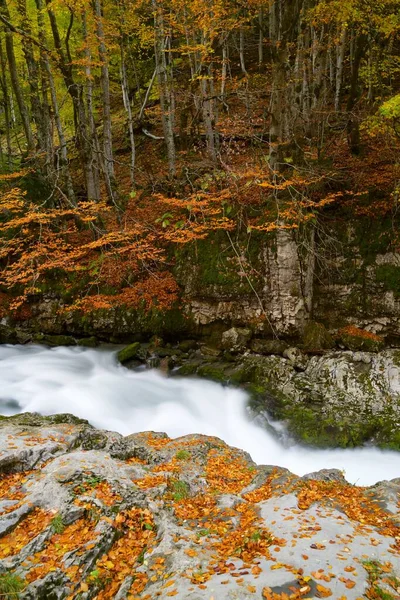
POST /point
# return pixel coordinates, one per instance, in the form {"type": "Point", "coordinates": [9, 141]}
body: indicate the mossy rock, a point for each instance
{"type": "Point", "coordinates": [317, 337]}
{"type": "Point", "coordinates": [8, 335]}
{"type": "Point", "coordinates": [36, 420]}
{"type": "Point", "coordinates": [89, 342]}
{"type": "Point", "coordinates": [187, 369]}
{"type": "Point", "coordinates": [356, 339]}
{"type": "Point", "coordinates": [131, 352]}
{"type": "Point", "coordinates": [215, 372]}
{"type": "Point", "coordinates": [187, 345]}
{"type": "Point", "coordinates": [53, 340]}
{"type": "Point", "coordinates": [389, 276]}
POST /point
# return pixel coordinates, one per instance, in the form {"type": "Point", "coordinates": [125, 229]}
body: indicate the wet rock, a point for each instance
{"type": "Point", "coordinates": [132, 352]}
{"type": "Point", "coordinates": [89, 342]}
{"type": "Point", "coordinates": [53, 340]}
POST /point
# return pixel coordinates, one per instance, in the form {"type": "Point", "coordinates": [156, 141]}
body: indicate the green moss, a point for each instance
{"type": "Point", "coordinates": [389, 276]}
{"type": "Point", "coordinates": [213, 262]}
{"type": "Point", "coordinates": [213, 372]}
{"type": "Point", "coordinates": [188, 369]}
{"type": "Point", "coordinates": [89, 342]}
{"type": "Point", "coordinates": [54, 340]}
{"type": "Point", "coordinates": [316, 337]}
{"type": "Point", "coordinates": [129, 352]}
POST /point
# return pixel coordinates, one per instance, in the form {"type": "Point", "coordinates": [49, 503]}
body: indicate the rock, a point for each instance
{"type": "Point", "coordinates": [236, 339]}
{"type": "Point", "coordinates": [326, 475]}
{"type": "Point", "coordinates": [90, 342]}
{"type": "Point", "coordinates": [150, 517]}
{"type": "Point", "coordinates": [8, 335]}
{"type": "Point", "coordinates": [210, 352]}
{"type": "Point", "coordinates": [341, 399]}
{"type": "Point", "coordinates": [316, 337]}
{"type": "Point", "coordinates": [53, 340]}
{"type": "Point", "coordinates": [354, 338]}
{"type": "Point", "coordinates": [267, 347]}
{"type": "Point", "coordinates": [296, 358]}
{"type": "Point", "coordinates": [186, 345]}
{"type": "Point", "coordinates": [132, 352]}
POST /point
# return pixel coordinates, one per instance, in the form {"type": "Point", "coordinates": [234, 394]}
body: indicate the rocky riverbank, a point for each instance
{"type": "Point", "coordinates": [90, 514]}
{"type": "Point", "coordinates": [342, 392]}
{"type": "Point", "coordinates": [333, 398]}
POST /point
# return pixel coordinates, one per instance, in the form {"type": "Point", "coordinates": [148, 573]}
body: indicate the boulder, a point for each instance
{"type": "Point", "coordinates": [132, 352]}
{"type": "Point", "coordinates": [145, 516]}
{"type": "Point", "coordinates": [316, 337]}
{"type": "Point", "coordinates": [236, 339]}
{"type": "Point", "coordinates": [266, 347]}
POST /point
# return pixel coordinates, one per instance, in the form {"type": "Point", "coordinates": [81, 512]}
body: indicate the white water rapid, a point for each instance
{"type": "Point", "coordinates": [91, 385]}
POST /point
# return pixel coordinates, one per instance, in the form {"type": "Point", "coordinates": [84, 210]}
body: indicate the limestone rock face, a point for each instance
{"type": "Point", "coordinates": [340, 398]}
{"type": "Point", "coordinates": [91, 514]}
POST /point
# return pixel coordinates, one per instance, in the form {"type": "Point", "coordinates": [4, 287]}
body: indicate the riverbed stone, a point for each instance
{"type": "Point", "coordinates": [131, 352]}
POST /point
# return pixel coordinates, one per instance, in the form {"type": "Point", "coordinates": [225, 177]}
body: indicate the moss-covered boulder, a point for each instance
{"type": "Point", "coordinates": [354, 338]}
{"type": "Point", "coordinates": [316, 337]}
{"type": "Point", "coordinates": [54, 340]}
{"type": "Point", "coordinates": [131, 352]}
{"type": "Point", "coordinates": [89, 342]}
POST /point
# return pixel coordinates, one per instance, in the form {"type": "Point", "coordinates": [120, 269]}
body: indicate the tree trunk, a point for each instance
{"type": "Point", "coordinates": [63, 160]}
{"type": "Point", "coordinates": [12, 64]}
{"type": "Point", "coordinates": [105, 88]}
{"type": "Point", "coordinates": [353, 125]}
{"type": "Point", "coordinates": [341, 50]}
{"type": "Point", "coordinates": [260, 36]}
{"type": "Point", "coordinates": [127, 105]}
{"type": "Point", "coordinates": [92, 167]}
{"type": "Point", "coordinates": [6, 101]}
{"type": "Point", "coordinates": [165, 85]}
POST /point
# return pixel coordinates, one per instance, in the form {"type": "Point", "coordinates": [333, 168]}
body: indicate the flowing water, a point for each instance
{"type": "Point", "coordinates": [92, 385]}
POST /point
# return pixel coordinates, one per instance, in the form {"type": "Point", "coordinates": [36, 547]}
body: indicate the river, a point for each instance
{"type": "Point", "coordinates": [92, 385]}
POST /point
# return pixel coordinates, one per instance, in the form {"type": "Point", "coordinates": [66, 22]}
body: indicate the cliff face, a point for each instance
{"type": "Point", "coordinates": [89, 514]}
{"type": "Point", "coordinates": [345, 274]}
{"type": "Point", "coordinates": [338, 273]}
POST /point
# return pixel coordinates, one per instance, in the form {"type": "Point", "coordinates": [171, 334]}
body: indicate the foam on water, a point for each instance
{"type": "Point", "coordinates": [92, 385]}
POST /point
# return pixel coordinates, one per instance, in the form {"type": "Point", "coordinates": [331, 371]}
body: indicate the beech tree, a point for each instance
{"type": "Point", "coordinates": [236, 95]}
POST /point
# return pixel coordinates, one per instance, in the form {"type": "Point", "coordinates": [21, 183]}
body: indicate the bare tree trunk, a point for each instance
{"type": "Point", "coordinates": [261, 36]}
{"type": "Point", "coordinates": [105, 88]}
{"type": "Point", "coordinates": [241, 52]}
{"type": "Point", "coordinates": [341, 50]}
{"type": "Point", "coordinates": [6, 101]}
{"type": "Point", "coordinates": [92, 145]}
{"type": "Point", "coordinates": [353, 125]}
{"type": "Point", "coordinates": [224, 67]}
{"type": "Point", "coordinates": [37, 110]}
{"type": "Point", "coordinates": [165, 85]}
{"type": "Point", "coordinates": [12, 64]}
{"type": "Point", "coordinates": [127, 105]}
{"type": "Point", "coordinates": [147, 95]}
{"type": "Point", "coordinates": [81, 125]}
{"type": "Point", "coordinates": [64, 162]}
